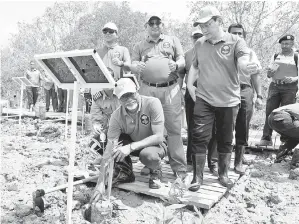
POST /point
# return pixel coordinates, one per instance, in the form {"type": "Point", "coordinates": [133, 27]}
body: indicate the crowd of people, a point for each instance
{"type": "Point", "coordinates": [41, 80]}
{"type": "Point", "coordinates": [222, 76]}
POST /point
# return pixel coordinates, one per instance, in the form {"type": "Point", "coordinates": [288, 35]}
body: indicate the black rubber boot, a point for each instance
{"type": "Point", "coordinates": [239, 153]}
{"type": "Point", "coordinates": [212, 164]}
{"type": "Point", "coordinates": [223, 166]}
{"type": "Point", "coordinates": [155, 175]}
{"type": "Point", "coordinates": [198, 161]}
{"type": "Point", "coordinates": [213, 157]}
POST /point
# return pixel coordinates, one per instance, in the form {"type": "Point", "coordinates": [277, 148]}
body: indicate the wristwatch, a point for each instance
{"type": "Point", "coordinates": [259, 96]}
{"type": "Point", "coordinates": [176, 66]}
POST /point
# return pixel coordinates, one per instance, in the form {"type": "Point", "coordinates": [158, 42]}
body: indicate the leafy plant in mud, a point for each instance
{"type": "Point", "coordinates": [166, 215]}
{"type": "Point", "coordinates": [178, 189]}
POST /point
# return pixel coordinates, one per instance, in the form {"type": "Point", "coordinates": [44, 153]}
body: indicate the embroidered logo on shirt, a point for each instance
{"type": "Point", "coordinates": [225, 49]}
{"type": "Point", "coordinates": [116, 54]}
{"type": "Point", "coordinates": [166, 45]}
{"type": "Point", "coordinates": [144, 119]}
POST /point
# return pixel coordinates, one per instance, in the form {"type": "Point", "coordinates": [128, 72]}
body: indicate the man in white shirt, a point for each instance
{"type": "Point", "coordinates": [33, 75]}
{"type": "Point", "coordinates": [283, 70]}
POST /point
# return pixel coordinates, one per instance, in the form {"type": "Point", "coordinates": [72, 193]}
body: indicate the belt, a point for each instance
{"type": "Point", "coordinates": [165, 84]}
{"type": "Point", "coordinates": [278, 81]}
{"type": "Point", "coordinates": [244, 86]}
{"type": "Point", "coordinates": [281, 82]}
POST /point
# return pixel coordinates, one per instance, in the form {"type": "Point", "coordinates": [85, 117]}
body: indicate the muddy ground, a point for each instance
{"type": "Point", "coordinates": [34, 156]}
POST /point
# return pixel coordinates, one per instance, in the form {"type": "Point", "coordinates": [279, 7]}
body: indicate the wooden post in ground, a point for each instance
{"type": "Point", "coordinates": [21, 103]}
{"type": "Point", "coordinates": [72, 152]}
{"type": "Point", "coordinates": [103, 208]}
{"type": "Point", "coordinates": [67, 112]}
{"type": "Point", "coordinates": [83, 113]}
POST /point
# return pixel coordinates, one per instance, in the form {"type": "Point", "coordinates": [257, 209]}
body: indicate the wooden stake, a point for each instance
{"type": "Point", "coordinates": [72, 152]}
{"type": "Point", "coordinates": [67, 113]}
{"type": "Point", "coordinates": [83, 113]}
{"type": "Point", "coordinates": [21, 103]}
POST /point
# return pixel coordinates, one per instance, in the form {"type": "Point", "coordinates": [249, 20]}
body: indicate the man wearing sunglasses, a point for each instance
{"type": "Point", "coordinates": [217, 97]}
{"type": "Point", "coordinates": [117, 60]}
{"type": "Point", "coordinates": [139, 123]}
{"type": "Point", "coordinates": [284, 70]}
{"type": "Point", "coordinates": [157, 60]}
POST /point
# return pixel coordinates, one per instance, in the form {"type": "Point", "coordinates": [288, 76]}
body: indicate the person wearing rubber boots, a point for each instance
{"type": "Point", "coordinates": [189, 103]}
{"type": "Point", "coordinates": [248, 83]}
{"type": "Point", "coordinates": [157, 60]}
{"type": "Point", "coordinates": [283, 70]}
{"type": "Point", "coordinates": [285, 121]}
{"type": "Point", "coordinates": [217, 96]}
{"type": "Point", "coordinates": [141, 120]}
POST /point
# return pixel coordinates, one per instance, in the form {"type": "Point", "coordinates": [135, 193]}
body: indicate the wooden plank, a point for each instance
{"type": "Point", "coordinates": [255, 137]}
{"type": "Point", "coordinates": [190, 198]}
{"type": "Point", "coordinates": [209, 193]}
{"type": "Point", "coordinates": [168, 172]}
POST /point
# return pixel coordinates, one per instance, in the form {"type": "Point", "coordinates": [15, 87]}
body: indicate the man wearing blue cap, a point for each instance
{"type": "Point", "coordinates": [283, 70]}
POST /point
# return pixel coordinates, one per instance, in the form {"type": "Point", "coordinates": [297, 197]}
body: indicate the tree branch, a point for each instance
{"type": "Point", "coordinates": [286, 30]}
{"type": "Point", "coordinates": [257, 23]}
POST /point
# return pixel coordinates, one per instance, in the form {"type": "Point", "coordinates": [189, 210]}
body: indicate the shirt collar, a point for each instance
{"type": "Point", "coordinates": [112, 46]}
{"type": "Point", "coordinates": [161, 37]}
{"type": "Point", "coordinates": [222, 39]}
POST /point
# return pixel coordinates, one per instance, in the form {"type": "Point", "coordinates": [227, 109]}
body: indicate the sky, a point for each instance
{"type": "Point", "coordinates": [12, 12]}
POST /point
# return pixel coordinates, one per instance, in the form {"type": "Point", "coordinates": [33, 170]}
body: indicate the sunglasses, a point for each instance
{"type": "Point", "coordinates": [108, 31]}
{"type": "Point", "coordinates": [196, 36]}
{"type": "Point", "coordinates": [151, 23]}
{"type": "Point", "coordinates": [237, 33]}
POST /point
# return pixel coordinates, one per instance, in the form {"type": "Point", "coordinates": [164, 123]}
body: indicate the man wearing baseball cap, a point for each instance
{"type": "Point", "coordinates": [157, 60]}
{"type": "Point", "coordinates": [139, 123]}
{"type": "Point", "coordinates": [284, 70]}
{"type": "Point", "coordinates": [248, 83]}
{"type": "Point", "coordinates": [217, 96]}
{"type": "Point", "coordinates": [117, 60]}
{"type": "Point", "coordinates": [189, 103]}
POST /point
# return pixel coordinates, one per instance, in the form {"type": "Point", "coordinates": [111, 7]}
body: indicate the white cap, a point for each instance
{"type": "Point", "coordinates": [205, 14]}
{"type": "Point", "coordinates": [123, 86]}
{"type": "Point", "coordinates": [111, 26]}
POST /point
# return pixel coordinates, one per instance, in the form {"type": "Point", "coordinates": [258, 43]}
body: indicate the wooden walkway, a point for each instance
{"type": "Point", "coordinates": [255, 137]}
{"type": "Point", "coordinates": [209, 194]}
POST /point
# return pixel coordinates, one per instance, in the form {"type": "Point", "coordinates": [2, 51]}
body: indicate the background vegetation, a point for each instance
{"type": "Point", "coordinates": [77, 25]}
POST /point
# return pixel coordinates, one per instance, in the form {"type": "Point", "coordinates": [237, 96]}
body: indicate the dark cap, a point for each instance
{"type": "Point", "coordinates": [286, 37]}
